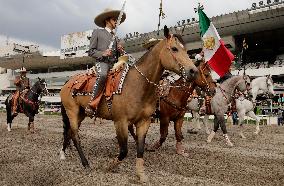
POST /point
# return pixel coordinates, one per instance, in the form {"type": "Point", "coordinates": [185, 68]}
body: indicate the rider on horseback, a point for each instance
{"type": "Point", "coordinates": [99, 49]}
{"type": "Point", "coordinates": [22, 83]}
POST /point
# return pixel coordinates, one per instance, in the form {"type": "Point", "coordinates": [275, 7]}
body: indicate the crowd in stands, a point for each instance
{"type": "Point", "coordinates": [257, 65]}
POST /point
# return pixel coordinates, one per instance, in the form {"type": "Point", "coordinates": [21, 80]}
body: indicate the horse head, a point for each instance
{"type": "Point", "coordinates": [204, 79]}
{"type": "Point", "coordinates": [270, 87]}
{"type": "Point", "coordinates": [244, 83]}
{"type": "Point", "coordinates": [173, 56]}
{"type": "Point", "coordinates": [41, 86]}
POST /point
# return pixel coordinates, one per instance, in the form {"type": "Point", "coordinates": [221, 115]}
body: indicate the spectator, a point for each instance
{"type": "Point", "coordinates": [280, 117]}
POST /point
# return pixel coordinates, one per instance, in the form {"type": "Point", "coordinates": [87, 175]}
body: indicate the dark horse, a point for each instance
{"type": "Point", "coordinates": [28, 104]}
{"type": "Point", "coordinates": [135, 104]}
{"type": "Point", "coordinates": [174, 106]}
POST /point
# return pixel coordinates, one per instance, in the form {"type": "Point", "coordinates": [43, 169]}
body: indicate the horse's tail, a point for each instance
{"type": "Point", "coordinates": [65, 119]}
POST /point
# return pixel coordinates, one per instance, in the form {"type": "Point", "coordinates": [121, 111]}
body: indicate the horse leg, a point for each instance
{"type": "Point", "coordinates": [179, 137]}
{"type": "Point", "coordinates": [241, 115]}
{"type": "Point", "coordinates": [195, 124]}
{"type": "Point", "coordinates": [132, 132]}
{"type": "Point", "coordinates": [121, 128]}
{"type": "Point", "coordinates": [74, 121]}
{"type": "Point", "coordinates": [205, 121]}
{"type": "Point", "coordinates": [252, 115]}
{"type": "Point", "coordinates": [67, 131]}
{"type": "Point", "coordinates": [10, 117]}
{"type": "Point", "coordinates": [213, 132]}
{"type": "Point", "coordinates": [222, 123]}
{"type": "Point", "coordinates": [141, 131]}
{"type": "Point", "coordinates": [164, 125]}
{"type": "Point", "coordinates": [31, 126]}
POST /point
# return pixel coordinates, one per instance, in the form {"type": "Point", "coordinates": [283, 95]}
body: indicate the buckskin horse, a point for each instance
{"type": "Point", "coordinates": [28, 104]}
{"type": "Point", "coordinates": [134, 105]}
{"type": "Point", "coordinates": [174, 106]}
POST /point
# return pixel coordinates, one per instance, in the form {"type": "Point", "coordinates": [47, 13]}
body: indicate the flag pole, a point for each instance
{"type": "Point", "coordinates": [161, 15]}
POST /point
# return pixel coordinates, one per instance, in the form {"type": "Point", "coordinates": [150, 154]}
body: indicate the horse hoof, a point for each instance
{"type": "Point", "coordinates": [230, 144]}
{"type": "Point", "coordinates": [62, 155]}
{"type": "Point", "coordinates": [143, 179]}
{"type": "Point", "coordinates": [191, 131]}
{"type": "Point", "coordinates": [88, 170]}
{"type": "Point", "coordinates": [184, 154]}
{"type": "Point", "coordinates": [243, 136]}
{"type": "Point", "coordinates": [113, 164]}
{"type": "Point", "coordinates": [154, 147]}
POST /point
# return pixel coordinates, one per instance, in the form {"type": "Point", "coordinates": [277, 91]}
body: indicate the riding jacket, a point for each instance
{"type": "Point", "coordinates": [99, 42]}
{"type": "Point", "coordinates": [22, 83]}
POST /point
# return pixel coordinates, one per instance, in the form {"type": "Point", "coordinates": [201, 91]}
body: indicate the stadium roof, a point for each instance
{"type": "Point", "coordinates": [228, 25]}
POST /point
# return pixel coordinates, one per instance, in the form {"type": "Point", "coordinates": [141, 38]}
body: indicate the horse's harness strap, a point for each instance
{"type": "Point", "coordinates": [175, 58]}
{"type": "Point", "coordinates": [224, 95]}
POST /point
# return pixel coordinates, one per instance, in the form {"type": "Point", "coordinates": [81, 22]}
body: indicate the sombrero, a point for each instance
{"type": "Point", "coordinates": [151, 42]}
{"type": "Point", "coordinates": [108, 13]}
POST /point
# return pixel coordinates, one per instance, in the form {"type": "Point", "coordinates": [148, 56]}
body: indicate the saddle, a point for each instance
{"type": "Point", "coordinates": [23, 99]}
{"type": "Point", "coordinates": [83, 84]}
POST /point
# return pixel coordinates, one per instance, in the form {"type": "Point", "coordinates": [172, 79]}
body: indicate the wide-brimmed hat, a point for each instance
{"type": "Point", "coordinates": [108, 13]}
{"type": "Point", "coordinates": [23, 70]}
{"type": "Point", "coordinates": [152, 42]}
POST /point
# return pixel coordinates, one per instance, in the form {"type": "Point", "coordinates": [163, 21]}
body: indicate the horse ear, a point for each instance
{"type": "Point", "coordinates": [38, 78]}
{"type": "Point", "coordinates": [166, 32]}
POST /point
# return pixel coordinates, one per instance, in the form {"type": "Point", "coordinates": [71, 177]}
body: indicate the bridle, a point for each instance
{"type": "Point", "coordinates": [204, 80]}
{"type": "Point", "coordinates": [43, 89]}
{"type": "Point", "coordinates": [182, 69]}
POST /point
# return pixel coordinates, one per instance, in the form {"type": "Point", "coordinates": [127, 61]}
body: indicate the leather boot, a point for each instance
{"type": "Point", "coordinates": [15, 104]}
{"type": "Point", "coordinates": [98, 87]}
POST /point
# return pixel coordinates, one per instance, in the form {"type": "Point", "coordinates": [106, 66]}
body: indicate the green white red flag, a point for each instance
{"type": "Point", "coordinates": [219, 58]}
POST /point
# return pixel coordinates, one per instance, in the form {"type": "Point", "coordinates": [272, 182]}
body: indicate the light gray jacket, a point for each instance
{"type": "Point", "coordinates": [99, 42]}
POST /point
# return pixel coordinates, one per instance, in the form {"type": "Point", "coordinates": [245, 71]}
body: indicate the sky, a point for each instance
{"type": "Point", "coordinates": [43, 22]}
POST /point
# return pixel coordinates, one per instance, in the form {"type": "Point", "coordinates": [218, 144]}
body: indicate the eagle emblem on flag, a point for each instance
{"type": "Point", "coordinates": [209, 43]}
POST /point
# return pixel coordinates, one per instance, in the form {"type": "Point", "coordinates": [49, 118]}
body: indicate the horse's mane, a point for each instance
{"type": "Point", "coordinates": [225, 77]}
{"type": "Point", "coordinates": [145, 55]}
{"type": "Point", "coordinates": [229, 79]}
{"type": "Point", "coordinates": [142, 58]}
{"type": "Point", "coordinates": [179, 37]}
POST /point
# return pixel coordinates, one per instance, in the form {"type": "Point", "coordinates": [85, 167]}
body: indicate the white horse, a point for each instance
{"type": "Point", "coordinates": [194, 106]}
{"type": "Point", "coordinates": [262, 85]}
{"type": "Point", "coordinates": [221, 100]}
{"type": "Point", "coordinates": [245, 107]}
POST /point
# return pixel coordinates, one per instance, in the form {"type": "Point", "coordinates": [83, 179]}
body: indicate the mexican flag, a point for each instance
{"type": "Point", "coordinates": [219, 58]}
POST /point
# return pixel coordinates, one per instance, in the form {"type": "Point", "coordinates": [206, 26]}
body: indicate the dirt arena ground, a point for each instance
{"type": "Point", "coordinates": [33, 159]}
